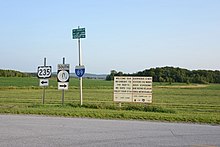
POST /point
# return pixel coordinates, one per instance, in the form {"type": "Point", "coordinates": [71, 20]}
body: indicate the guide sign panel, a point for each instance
{"type": "Point", "coordinates": [79, 33]}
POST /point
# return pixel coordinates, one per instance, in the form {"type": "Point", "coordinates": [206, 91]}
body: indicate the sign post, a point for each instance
{"type": "Point", "coordinates": [63, 89]}
{"type": "Point", "coordinates": [77, 34]}
{"type": "Point", "coordinates": [43, 73]}
{"type": "Point", "coordinates": [63, 77]}
{"type": "Point", "coordinates": [45, 60]}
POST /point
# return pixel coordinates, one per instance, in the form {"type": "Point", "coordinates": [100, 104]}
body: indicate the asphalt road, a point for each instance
{"type": "Point", "coordinates": [34, 131]}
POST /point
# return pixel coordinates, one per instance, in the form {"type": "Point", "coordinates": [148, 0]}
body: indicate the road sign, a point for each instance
{"type": "Point", "coordinates": [63, 76]}
{"type": "Point", "coordinates": [63, 73]}
{"type": "Point", "coordinates": [44, 82]}
{"type": "Point", "coordinates": [79, 33]}
{"type": "Point", "coordinates": [63, 85]}
{"type": "Point", "coordinates": [44, 71]}
{"type": "Point", "coordinates": [63, 67]}
{"type": "Point", "coordinates": [133, 89]}
{"type": "Point", "coordinates": [80, 71]}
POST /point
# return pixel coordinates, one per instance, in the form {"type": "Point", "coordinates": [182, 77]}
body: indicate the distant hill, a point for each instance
{"type": "Point", "coordinates": [13, 73]}
{"type": "Point", "coordinates": [174, 74]}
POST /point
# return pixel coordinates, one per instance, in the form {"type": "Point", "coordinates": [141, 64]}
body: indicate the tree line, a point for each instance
{"type": "Point", "coordinates": [12, 73]}
{"type": "Point", "coordinates": [174, 74]}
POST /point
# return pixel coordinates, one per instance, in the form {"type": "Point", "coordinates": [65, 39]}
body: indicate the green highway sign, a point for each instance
{"type": "Point", "coordinates": [79, 33]}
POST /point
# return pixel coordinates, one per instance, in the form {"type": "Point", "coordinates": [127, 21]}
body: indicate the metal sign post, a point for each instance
{"type": "Point", "coordinates": [43, 98]}
{"type": "Point", "coordinates": [44, 73]}
{"type": "Point", "coordinates": [63, 89]}
{"type": "Point", "coordinates": [80, 63]}
{"type": "Point", "coordinates": [77, 34]}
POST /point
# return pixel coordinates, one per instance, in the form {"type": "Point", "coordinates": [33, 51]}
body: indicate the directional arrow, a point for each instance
{"type": "Point", "coordinates": [44, 82]}
{"type": "Point", "coordinates": [64, 85]}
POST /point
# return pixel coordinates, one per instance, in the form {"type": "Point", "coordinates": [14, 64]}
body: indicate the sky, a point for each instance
{"type": "Point", "coordinates": [124, 35]}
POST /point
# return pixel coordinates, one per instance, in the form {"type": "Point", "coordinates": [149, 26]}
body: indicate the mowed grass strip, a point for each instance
{"type": "Point", "coordinates": [177, 102]}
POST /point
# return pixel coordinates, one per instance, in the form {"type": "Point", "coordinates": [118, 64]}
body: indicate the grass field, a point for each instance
{"type": "Point", "coordinates": [177, 102]}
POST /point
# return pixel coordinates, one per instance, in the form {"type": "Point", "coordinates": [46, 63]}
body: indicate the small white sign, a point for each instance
{"type": "Point", "coordinates": [63, 66]}
{"type": "Point", "coordinates": [44, 82]}
{"type": "Point", "coordinates": [63, 85]}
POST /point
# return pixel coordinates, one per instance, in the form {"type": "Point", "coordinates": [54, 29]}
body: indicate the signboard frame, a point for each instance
{"type": "Point", "coordinates": [132, 89]}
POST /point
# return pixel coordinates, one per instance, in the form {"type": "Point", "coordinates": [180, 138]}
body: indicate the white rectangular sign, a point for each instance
{"type": "Point", "coordinates": [44, 82]}
{"type": "Point", "coordinates": [63, 85]}
{"type": "Point", "coordinates": [133, 89]}
{"type": "Point", "coordinates": [123, 89]}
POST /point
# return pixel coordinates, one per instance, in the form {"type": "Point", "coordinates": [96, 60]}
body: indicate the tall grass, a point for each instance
{"type": "Point", "coordinates": [176, 102]}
